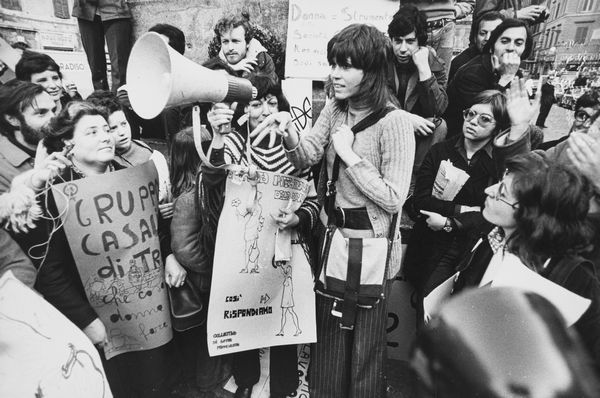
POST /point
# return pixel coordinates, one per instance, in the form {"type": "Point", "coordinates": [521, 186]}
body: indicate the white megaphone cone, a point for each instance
{"type": "Point", "coordinates": [158, 77]}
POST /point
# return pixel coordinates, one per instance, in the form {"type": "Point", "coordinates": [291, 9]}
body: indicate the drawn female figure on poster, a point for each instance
{"type": "Point", "coordinates": [253, 224]}
{"type": "Point", "coordinates": [287, 297]}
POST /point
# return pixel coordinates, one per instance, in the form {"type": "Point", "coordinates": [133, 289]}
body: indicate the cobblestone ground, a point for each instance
{"type": "Point", "coordinates": [559, 122]}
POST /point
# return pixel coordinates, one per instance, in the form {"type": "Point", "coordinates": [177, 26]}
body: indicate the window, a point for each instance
{"type": "Point", "coordinates": [587, 5]}
{"type": "Point", "coordinates": [11, 5]}
{"type": "Point", "coordinates": [61, 9]}
{"type": "Point", "coordinates": [557, 10]}
{"type": "Point", "coordinates": [558, 30]}
{"type": "Point", "coordinates": [581, 34]}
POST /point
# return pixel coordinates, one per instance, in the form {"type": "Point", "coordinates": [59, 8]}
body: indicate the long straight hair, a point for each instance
{"type": "Point", "coordinates": [185, 162]}
{"type": "Point", "coordinates": [364, 47]}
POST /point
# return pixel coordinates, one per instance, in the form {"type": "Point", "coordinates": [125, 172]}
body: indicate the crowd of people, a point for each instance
{"type": "Point", "coordinates": [402, 120]}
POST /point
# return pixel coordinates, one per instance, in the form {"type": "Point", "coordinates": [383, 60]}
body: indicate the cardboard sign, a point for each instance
{"type": "Point", "coordinates": [42, 353]}
{"type": "Point", "coordinates": [111, 225]}
{"type": "Point", "coordinates": [256, 301]}
{"type": "Point", "coordinates": [312, 23]}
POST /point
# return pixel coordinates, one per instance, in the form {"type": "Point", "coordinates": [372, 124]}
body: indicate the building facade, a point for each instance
{"type": "Point", "coordinates": [42, 24]}
{"type": "Point", "coordinates": [569, 40]}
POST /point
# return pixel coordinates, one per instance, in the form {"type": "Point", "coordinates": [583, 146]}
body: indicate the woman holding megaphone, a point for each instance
{"type": "Point", "coordinates": [370, 143]}
{"type": "Point", "coordinates": [233, 145]}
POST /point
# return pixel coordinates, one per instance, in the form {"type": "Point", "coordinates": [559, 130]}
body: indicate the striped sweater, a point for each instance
{"type": "Point", "coordinates": [274, 160]}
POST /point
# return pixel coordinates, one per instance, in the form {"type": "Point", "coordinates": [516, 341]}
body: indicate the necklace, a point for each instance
{"type": "Point", "coordinates": [82, 174]}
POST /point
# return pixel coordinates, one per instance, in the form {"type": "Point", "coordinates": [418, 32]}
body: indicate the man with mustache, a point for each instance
{"type": "Point", "coordinates": [243, 53]}
{"type": "Point", "coordinates": [25, 109]}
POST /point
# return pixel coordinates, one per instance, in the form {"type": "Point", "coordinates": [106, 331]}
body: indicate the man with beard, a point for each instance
{"type": "Point", "coordinates": [25, 109]}
{"type": "Point", "coordinates": [243, 53]}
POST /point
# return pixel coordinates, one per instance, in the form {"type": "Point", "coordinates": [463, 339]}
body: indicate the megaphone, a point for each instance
{"type": "Point", "coordinates": [158, 77]}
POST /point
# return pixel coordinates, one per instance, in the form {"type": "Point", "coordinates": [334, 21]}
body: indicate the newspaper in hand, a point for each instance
{"type": "Point", "coordinates": [448, 181]}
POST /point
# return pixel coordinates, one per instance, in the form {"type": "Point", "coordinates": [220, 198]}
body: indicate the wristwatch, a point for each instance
{"type": "Point", "coordinates": [448, 226]}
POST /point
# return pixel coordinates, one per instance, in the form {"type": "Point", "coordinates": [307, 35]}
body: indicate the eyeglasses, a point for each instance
{"type": "Point", "coordinates": [500, 194]}
{"type": "Point", "coordinates": [581, 116]}
{"type": "Point", "coordinates": [483, 119]}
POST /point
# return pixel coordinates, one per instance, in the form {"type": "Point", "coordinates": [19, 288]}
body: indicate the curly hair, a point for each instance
{"type": "Point", "coordinates": [409, 19]}
{"type": "Point", "coordinates": [106, 100]}
{"type": "Point", "coordinates": [62, 126]}
{"type": "Point", "coordinates": [366, 48]}
{"type": "Point", "coordinates": [229, 22]}
{"type": "Point", "coordinates": [551, 219]}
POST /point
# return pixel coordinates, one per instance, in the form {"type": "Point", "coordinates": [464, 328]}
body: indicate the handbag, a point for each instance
{"type": "Point", "coordinates": [187, 308]}
{"type": "Point", "coordinates": [351, 270]}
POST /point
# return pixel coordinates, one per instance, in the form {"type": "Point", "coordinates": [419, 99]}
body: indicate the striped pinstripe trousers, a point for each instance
{"type": "Point", "coordinates": [349, 363]}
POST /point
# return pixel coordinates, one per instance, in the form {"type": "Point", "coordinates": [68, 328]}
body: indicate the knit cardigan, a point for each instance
{"type": "Point", "coordinates": [382, 177]}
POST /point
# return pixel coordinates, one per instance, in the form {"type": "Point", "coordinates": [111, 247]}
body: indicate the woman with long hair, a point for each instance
{"type": "Point", "coordinates": [185, 162]}
{"type": "Point", "coordinates": [374, 178]}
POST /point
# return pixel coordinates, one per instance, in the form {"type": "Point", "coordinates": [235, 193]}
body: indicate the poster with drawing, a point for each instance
{"type": "Point", "coordinates": [43, 354]}
{"type": "Point", "coordinates": [256, 301]}
{"type": "Point", "coordinates": [111, 223]}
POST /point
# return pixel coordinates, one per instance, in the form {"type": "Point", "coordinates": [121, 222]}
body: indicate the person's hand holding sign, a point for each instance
{"type": "Point", "coordinates": [286, 218]}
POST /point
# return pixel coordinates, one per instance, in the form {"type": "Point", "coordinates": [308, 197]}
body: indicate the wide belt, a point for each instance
{"type": "Point", "coordinates": [352, 218]}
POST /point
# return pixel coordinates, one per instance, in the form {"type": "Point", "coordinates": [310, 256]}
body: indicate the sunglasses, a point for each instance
{"type": "Point", "coordinates": [483, 119]}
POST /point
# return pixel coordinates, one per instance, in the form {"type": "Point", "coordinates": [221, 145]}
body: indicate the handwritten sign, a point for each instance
{"type": "Point", "coordinates": [111, 225]}
{"type": "Point", "coordinates": [311, 23]}
{"type": "Point", "coordinates": [43, 353]}
{"type": "Point", "coordinates": [256, 301]}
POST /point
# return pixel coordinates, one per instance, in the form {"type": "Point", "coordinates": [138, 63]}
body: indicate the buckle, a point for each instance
{"type": "Point", "coordinates": [330, 188]}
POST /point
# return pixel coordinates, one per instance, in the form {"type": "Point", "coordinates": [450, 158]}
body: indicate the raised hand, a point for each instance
{"type": "Point", "coordinates": [520, 109]}
{"type": "Point", "coordinates": [507, 66]}
{"type": "Point", "coordinates": [275, 124]}
{"type": "Point", "coordinates": [245, 65]}
{"type": "Point", "coordinates": [530, 13]}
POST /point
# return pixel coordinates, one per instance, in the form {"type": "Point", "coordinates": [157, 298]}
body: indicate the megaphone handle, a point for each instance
{"type": "Point", "coordinates": [196, 129]}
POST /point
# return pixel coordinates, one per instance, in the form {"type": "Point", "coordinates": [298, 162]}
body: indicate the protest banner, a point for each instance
{"type": "Point", "coordinates": [311, 23]}
{"type": "Point", "coordinates": [111, 224]}
{"type": "Point", "coordinates": [43, 353]}
{"type": "Point", "coordinates": [256, 301]}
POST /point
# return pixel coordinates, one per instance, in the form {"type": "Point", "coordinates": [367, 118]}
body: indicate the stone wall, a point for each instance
{"type": "Point", "coordinates": [197, 18]}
